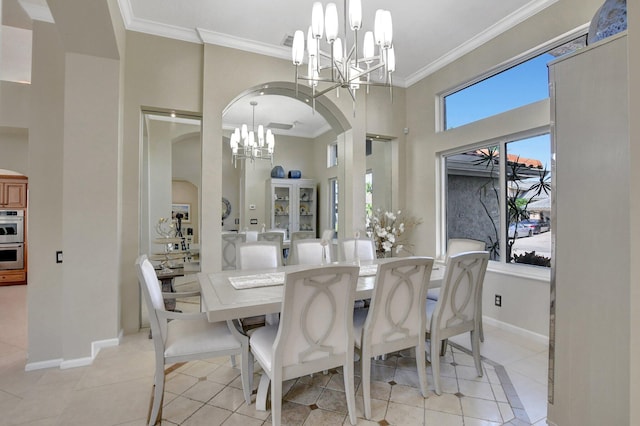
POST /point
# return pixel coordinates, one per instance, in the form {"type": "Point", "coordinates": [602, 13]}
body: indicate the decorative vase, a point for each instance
{"type": "Point", "coordinates": [277, 172]}
{"type": "Point", "coordinates": [610, 19]}
{"type": "Point", "coordinates": [381, 254]}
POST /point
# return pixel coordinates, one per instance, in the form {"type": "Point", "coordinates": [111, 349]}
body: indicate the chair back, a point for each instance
{"type": "Point", "coordinates": [311, 252]}
{"type": "Point", "coordinates": [302, 235]}
{"type": "Point", "coordinates": [316, 320]}
{"type": "Point", "coordinates": [397, 317]}
{"type": "Point", "coordinates": [363, 249]}
{"type": "Point", "coordinates": [328, 234]}
{"type": "Point", "coordinates": [457, 308]}
{"type": "Point", "coordinates": [461, 245]}
{"type": "Point", "coordinates": [273, 235]}
{"type": "Point", "coordinates": [229, 242]}
{"type": "Point", "coordinates": [152, 294]}
{"type": "Point", "coordinates": [258, 255]}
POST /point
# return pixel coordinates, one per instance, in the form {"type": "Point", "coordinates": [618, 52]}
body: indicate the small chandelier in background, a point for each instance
{"type": "Point", "coordinates": [341, 67]}
{"type": "Point", "coordinates": [251, 144]}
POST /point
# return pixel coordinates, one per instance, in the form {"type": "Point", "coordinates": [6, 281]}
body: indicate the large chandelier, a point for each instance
{"type": "Point", "coordinates": [249, 144]}
{"type": "Point", "coordinates": [342, 67]}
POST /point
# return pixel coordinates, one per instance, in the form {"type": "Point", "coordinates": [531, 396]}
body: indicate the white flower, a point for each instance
{"type": "Point", "coordinates": [387, 246]}
{"type": "Point", "coordinates": [390, 215]}
{"type": "Point", "coordinates": [399, 248]}
{"type": "Point", "coordinates": [402, 227]}
{"type": "Point", "coordinates": [391, 238]}
{"type": "Point", "coordinates": [381, 232]}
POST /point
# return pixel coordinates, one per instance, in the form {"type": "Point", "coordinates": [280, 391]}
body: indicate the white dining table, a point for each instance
{"type": "Point", "coordinates": [240, 294]}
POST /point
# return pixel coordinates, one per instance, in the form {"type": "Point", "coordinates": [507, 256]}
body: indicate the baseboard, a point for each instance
{"type": "Point", "coordinates": [51, 363]}
{"type": "Point", "coordinates": [76, 362]}
{"type": "Point", "coordinates": [528, 334]}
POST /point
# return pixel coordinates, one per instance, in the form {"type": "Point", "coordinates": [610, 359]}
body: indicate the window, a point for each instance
{"type": "Point", "coordinates": [499, 193]}
{"type": "Point", "coordinates": [333, 206]}
{"type": "Point", "coordinates": [516, 84]}
{"type": "Point", "coordinates": [332, 154]}
{"type": "Point", "coordinates": [368, 193]}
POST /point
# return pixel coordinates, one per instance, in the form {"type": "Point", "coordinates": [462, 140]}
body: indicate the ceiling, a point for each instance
{"type": "Point", "coordinates": [427, 35]}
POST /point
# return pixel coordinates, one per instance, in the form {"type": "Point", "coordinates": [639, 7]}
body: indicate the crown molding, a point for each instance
{"type": "Point", "coordinates": [520, 15]}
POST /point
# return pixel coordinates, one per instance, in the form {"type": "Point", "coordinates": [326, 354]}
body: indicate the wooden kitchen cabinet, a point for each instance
{"type": "Point", "coordinates": [19, 276]}
{"type": "Point", "coordinates": [13, 192]}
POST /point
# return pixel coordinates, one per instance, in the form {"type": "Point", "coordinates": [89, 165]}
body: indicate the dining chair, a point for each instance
{"type": "Point", "coordinates": [277, 235]}
{"type": "Point", "coordinates": [395, 319]}
{"type": "Point", "coordinates": [311, 252]}
{"type": "Point", "coordinates": [456, 310]}
{"type": "Point", "coordinates": [295, 236]}
{"type": "Point", "coordinates": [328, 234]}
{"type": "Point", "coordinates": [361, 248]}
{"type": "Point", "coordinates": [259, 255]}
{"type": "Point", "coordinates": [180, 337]}
{"type": "Point", "coordinates": [301, 344]}
{"type": "Point", "coordinates": [229, 242]}
{"type": "Point", "coordinates": [457, 246]}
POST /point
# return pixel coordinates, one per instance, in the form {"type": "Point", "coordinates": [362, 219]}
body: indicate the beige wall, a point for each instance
{"type": "Point", "coordinates": [14, 146]}
{"type": "Point", "coordinates": [633, 15]}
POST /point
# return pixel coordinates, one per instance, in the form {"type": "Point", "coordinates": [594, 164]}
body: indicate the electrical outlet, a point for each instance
{"type": "Point", "coordinates": [498, 300]}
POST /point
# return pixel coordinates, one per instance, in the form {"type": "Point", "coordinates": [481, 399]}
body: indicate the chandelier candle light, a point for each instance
{"type": "Point", "coordinates": [342, 68]}
{"type": "Point", "coordinates": [251, 144]}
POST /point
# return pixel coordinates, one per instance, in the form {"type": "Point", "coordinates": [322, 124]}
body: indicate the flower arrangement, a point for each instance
{"type": "Point", "coordinates": [389, 230]}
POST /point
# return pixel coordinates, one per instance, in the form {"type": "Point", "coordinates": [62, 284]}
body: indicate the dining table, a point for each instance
{"type": "Point", "coordinates": [234, 294]}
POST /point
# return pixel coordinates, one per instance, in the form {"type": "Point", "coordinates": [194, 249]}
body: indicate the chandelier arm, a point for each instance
{"type": "Point", "coordinates": [328, 89]}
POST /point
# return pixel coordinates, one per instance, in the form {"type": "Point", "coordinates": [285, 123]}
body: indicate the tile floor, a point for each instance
{"type": "Point", "coordinates": [115, 389]}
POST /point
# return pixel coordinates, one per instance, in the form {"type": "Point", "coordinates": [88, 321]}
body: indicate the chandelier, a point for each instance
{"type": "Point", "coordinates": [249, 144]}
{"type": "Point", "coordinates": [342, 67]}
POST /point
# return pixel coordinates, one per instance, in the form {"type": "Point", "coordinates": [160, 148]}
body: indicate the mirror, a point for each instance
{"type": "Point", "coordinates": [170, 184]}
{"type": "Point", "coordinates": [379, 174]}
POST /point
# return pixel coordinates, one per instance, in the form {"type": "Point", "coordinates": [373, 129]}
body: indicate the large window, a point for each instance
{"type": "Point", "coordinates": [499, 193]}
{"type": "Point", "coordinates": [518, 83]}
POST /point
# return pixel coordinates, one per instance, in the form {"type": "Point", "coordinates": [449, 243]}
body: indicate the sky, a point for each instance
{"type": "Point", "coordinates": [521, 85]}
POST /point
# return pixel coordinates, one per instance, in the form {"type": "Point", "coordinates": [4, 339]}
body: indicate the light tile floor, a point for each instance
{"type": "Point", "coordinates": [115, 389]}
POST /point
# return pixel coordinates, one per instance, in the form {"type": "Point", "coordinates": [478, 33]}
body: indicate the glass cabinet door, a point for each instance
{"type": "Point", "coordinates": [307, 206]}
{"type": "Point", "coordinates": [282, 201]}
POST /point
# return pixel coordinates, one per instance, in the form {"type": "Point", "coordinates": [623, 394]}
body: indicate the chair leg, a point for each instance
{"type": "Point", "coordinates": [276, 401]}
{"type": "Point", "coordinates": [263, 392]}
{"type": "Point", "coordinates": [157, 398]}
{"type": "Point", "coordinates": [475, 348]}
{"type": "Point", "coordinates": [481, 328]}
{"type": "Point", "coordinates": [366, 384]}
{"type": "Point", "coordinates": [435, 364]}
{"type": "Point", "coordinates": [233, 360]}
{"type": "Point", "coordinates": [245, 374]}
{"type": "Point", "coordinates": [350, 390]}
{"type": "Point", "coordinates": [422, 368]}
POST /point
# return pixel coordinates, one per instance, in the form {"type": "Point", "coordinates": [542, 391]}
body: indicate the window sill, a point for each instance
{"type": "Point", "coordinates": [537, 273]}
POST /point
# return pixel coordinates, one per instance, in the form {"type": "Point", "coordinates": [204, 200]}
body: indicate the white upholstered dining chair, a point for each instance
{"type": "Point", "coordinates": [457, 246]}
{"type": "Point", "coordinates": [295, 236]}
{"type": "Point", "coordinates": [361, 248]}
{"type": "Point", "coordinates": [311, 252]}
{"type": "Point", "coordinates": [456, 310]}
{"type": "Point", "coordinates": [301, 344]}
{"type": "Point", "coordinates": [229, 242]}
{"type": "Point", "coordinates": [181, 337]}
{"type": "Point", "coordinates": [396, 318]}
{"type": "Point", "coordinates": [258, 255]}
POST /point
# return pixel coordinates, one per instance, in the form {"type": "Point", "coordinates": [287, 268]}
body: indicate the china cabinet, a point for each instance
{"type": "Point", "coordinates": [292, 204]}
